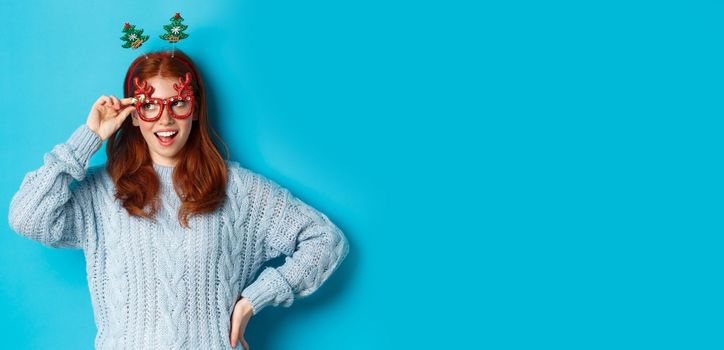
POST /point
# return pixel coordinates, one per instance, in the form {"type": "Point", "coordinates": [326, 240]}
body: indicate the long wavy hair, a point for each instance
{"type": "Point", "coordinates": [200, 175]}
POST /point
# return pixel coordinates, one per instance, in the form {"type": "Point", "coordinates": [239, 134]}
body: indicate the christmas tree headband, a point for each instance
{"type": "Point", "coordinates": [133, 38]}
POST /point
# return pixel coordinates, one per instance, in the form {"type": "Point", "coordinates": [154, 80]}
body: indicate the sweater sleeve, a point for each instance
{"type": "Point", "coordinates": [314, 247]}
{"type": "Point", "coordinates": [49, 207]}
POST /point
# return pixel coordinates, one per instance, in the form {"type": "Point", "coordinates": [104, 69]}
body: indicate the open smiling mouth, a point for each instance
{"type": "Point", "coordinates": [166, 138]}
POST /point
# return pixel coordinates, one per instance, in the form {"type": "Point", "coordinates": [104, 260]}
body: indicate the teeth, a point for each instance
{"type": "Point", "coordinates": [166, 133]}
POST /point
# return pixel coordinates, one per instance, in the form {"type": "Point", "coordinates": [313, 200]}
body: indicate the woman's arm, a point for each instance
{"type": "Point", "coordinates": [314, 247]}
{"type": "Point", "coordinates": [48, 208]}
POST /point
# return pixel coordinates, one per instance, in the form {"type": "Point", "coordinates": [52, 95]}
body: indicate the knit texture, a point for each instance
{"type": "Point", "coordinates": [162, 286]}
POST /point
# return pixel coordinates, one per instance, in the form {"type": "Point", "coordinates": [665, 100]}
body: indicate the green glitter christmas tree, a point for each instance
{"type": "Point", "coordinates": [175, 30]}
{"type": "Point", "coordinates": [132, 37]}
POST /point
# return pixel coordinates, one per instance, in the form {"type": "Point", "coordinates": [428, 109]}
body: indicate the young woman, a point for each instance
{"type": "Point", "coordinates": [173, 234]}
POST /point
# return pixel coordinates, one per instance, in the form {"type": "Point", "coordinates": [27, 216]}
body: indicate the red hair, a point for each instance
{"type": "Point", "coordinates": [199, 176]}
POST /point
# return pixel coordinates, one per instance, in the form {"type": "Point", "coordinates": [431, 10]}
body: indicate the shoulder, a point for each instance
{"type": "Point", "coordinates": [237, 177]}
{"type": "Point", "coordinates": [242, 180]}
{"type": "Point", "coordinates": [236, 173]}
{"type": "Point", "coordinates": [242, 176]}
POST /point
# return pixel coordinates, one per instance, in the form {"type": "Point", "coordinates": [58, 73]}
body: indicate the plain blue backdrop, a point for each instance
{"type": "Point", "coordinates": [510, 175]}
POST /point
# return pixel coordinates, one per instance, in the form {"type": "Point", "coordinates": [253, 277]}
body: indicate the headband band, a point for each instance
{"type": "Point", "coordinates": [162, 54]}
{"type": "Point", "coordinates": [133, 38]}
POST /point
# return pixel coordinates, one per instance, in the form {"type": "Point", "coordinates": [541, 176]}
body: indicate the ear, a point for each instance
{"type": "Point", "coordinates": [134, 118]}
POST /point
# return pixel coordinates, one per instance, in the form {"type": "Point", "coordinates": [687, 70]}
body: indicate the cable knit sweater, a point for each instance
{"type": "Point", "coordinates": [162, 286]}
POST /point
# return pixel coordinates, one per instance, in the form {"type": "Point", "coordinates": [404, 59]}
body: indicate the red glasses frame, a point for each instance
{"type": "Point", "coordinates": [143, 92]}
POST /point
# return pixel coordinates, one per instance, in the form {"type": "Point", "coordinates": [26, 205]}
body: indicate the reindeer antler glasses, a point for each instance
{"type": "Point", "coordinates": [150, 108]}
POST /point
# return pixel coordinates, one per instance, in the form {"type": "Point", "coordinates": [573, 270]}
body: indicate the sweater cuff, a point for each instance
{"type": "Point", "coordinates": [84, 142]}
{"type": "Point", "coordinates": [270, 288]}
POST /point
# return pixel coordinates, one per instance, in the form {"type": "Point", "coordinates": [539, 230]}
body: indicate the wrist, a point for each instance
{"type": "Point", "coordinates": [94, 131]}
{"type": "Point", "coordinates": [247, 305]}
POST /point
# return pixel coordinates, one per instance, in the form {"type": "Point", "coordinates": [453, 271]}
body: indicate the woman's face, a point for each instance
{"type": "Point", "coordinates": [164, 153]}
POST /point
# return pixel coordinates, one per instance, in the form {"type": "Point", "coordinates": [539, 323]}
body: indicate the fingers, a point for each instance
{"type": "Point", "coordinates": [234, 332]}
{"type": "Point", "coordinates": [126, 101]}
{"type": "Point", "coordinates": [112, 101]}
{"type": "Point", "coordinates": [244, 343]}
{"type": "Point", "coordinates": [101, 100]}
{"type": "Point", "coordinates": [124, 113]}
{"type": "Point", "coordinates": [116, 103]}
{"type": "Point", "coordinates": [102, 103]}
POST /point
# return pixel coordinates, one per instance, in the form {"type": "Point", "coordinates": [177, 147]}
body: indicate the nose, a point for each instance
{"type": "Point", "coordinates": [166, 118]}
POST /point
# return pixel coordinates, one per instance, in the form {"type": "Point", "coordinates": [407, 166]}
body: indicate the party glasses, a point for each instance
{"type": "Point", "coordinates": [150, 108]}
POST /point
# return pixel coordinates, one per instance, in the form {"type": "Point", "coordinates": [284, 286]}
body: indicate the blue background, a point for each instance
{"type": "Point", "coordinates": [510, 175]}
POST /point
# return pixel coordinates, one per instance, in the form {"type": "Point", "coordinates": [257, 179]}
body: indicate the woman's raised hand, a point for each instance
{"type": "Point", "coordinates": [108, 114]}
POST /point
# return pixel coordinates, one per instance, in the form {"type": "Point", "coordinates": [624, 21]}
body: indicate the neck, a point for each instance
{"type": "Point", "coordinates": [165, 173]}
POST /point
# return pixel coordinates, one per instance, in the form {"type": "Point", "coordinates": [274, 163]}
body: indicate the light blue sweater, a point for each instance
{"type": "Point", "coordinates": [161, 286]}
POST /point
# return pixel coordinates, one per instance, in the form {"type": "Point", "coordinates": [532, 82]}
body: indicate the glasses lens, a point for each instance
{"type": "Point", "coordinates": [150, 110]}
{"type": "Point", "coordinates": [181, 108]}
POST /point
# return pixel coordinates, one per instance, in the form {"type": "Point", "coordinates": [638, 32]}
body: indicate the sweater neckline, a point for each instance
{"type": "Point", "coordinates": [165, 173]}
